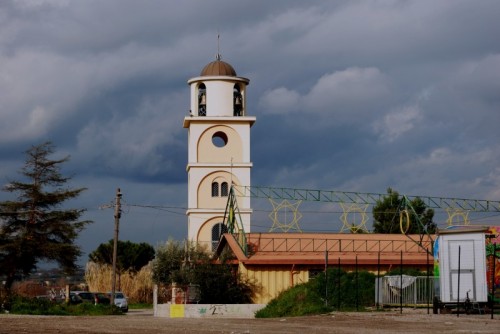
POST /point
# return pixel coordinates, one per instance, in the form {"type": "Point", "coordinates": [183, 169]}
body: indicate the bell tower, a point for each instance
{"type": "Point", "coordinates": [218, 150]}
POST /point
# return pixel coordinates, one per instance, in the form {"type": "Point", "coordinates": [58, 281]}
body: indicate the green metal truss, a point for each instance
{"type": "Point", "coordinates": [362, 198]}
{"type": "Point", "coordinates": [232, 219]}
{"type": "Point", "coordinates": [333, 196]}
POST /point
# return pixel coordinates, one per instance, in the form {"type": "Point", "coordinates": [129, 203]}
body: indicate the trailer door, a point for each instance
{"type": "Point", "coordinates": [467, 267]}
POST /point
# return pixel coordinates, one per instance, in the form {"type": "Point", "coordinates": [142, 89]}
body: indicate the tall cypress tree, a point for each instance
{"type": "Point", "coordinates": [35, 227]}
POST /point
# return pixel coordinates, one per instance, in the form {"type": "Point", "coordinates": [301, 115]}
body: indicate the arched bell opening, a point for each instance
{"type": "Point", "coordinates": [202, 100]}
{"type": "Point", "coordinates": [237, 101]}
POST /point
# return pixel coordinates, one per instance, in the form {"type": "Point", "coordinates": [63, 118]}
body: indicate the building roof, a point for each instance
{"type": "Point", "coordinates": [311, 249]}
{"type": "Point", "coordinates": [218, 68]}
{"type": "Point", "coordinates": [463, 229]}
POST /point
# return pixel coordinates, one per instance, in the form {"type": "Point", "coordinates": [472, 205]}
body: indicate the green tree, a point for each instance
{"type": "Point", "coordinates": [174, 260]}
{"type": "Point", "coordinates": [188, 264]}
{"type": "Point", "coordinates": [220, 283]}
{"type": "Point", "coordinates": [35, 227]}
{"type": "Point", "coordinates": [129, 256]}
{"type": "Point", "coordinates": [387, 214]}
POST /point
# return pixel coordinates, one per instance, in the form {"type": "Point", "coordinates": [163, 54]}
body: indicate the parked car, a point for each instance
{"type": "Point", "coordinates": [121, 300]}
{"type": "Point", "coordinates": [77, 297]}
{"type": "Point", "coordinates": [101, 298]}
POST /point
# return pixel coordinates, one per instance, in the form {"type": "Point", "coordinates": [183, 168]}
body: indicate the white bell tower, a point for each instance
{"type": "Point", "coordinates": [218, 150]}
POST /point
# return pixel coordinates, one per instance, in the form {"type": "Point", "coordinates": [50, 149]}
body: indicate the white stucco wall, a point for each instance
{"type": "Point", "coordinates": [207, 310]}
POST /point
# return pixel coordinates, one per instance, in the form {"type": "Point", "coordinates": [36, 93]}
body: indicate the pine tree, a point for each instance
{"type": "Point", "coordinates": [35, 227]}
{"type": "Point", "coordinates": [130, 255]}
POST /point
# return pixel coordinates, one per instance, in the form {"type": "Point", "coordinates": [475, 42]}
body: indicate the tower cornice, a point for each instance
{"type": "Point", "coordinates": [218, 120]}
{"type": "Point", "coordinates": [219, 78]}
{"type": "Point", "coordinates": [222, 166]}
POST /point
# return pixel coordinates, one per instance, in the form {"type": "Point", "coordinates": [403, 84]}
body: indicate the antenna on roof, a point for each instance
{"type": "Point", "coordinates": [218, 56]}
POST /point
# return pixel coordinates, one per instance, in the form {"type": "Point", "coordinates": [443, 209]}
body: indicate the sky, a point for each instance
{"type": "Point", "coordinates": [348, 95]}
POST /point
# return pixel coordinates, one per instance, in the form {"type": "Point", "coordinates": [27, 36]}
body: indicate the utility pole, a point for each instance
{"type": "Point", "coordinates": [115, 243]}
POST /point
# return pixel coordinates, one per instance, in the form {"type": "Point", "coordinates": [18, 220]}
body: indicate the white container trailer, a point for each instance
{"type": "Point", "coordinates": [462, 265]}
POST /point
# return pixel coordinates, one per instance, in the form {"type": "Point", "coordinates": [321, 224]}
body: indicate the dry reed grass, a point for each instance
{"type": "Point", "coordinates": [138, 286]}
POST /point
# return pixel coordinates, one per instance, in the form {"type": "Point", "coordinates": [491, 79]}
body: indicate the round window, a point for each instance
{"type": "Point", "coordinates": [219, 139]}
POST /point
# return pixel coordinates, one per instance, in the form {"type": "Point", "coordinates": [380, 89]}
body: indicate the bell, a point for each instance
{"type": "Point", "coordinates": [203, 100]}
{"type": "Point", "coordinates": [238, 101]}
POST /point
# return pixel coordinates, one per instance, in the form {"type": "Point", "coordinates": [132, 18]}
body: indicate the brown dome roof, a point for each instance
{"type": "Point", "coordinates": [218, 67]}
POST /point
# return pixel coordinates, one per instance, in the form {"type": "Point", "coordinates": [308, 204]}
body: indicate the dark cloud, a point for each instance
{"type": "Point", "coordinates": [349, 95]}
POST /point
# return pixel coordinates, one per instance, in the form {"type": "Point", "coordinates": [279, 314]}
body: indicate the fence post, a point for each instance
{"type": "Point", "coordinates": [401, 284]}
{"type": "Point", "coordinates": [338, 289]}
{"type": "Point", "coordinates": [66, 294]}
{"type": "Point", "coordinates": [378, 280]}
{"type": "Point", "coordinates": [427, 285]}
{"type": "Point", "coordinates": [174, 292]}
{"type": "Point", "coordinates": [414, 295]}
{"type": "Point", "coordinates": [326, 276]}
{"type": "Point", "coordinates": [357, 283]}
{"type": "Point", "coordinates": [458, 284]}
{"type": "Point", "coordinates": [155, 298]}
{"type": "Point", "coordinates": [493, 280]}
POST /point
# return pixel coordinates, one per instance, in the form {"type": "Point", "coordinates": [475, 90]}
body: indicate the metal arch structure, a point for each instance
{"type": "Point", "coordinates": [360, 198]}
{"type": "Point", "coordinates": [333, 196]}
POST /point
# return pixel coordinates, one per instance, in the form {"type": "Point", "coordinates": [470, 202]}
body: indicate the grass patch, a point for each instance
{"type": "Point", "coordinates": [20, 305]}
{"type": "Point", "coordinates": [34, 306]}
{"type": "Point", "coordinates": [137, 306]}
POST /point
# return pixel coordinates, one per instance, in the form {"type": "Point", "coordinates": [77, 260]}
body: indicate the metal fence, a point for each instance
{"type": "Point", "coordinates": [405, 290]}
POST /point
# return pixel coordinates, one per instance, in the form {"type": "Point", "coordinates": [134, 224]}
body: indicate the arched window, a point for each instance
{"type": "Point", "coordinates": [215, 189]}
{"type": "Point", "coordinates": [237, 101]}
{"type": "Point", "coordinates": [202, 100]}
{"type": "Point", "coordinates": [224, 189]}
{"type": "Point", "coordinates": [217, 231]}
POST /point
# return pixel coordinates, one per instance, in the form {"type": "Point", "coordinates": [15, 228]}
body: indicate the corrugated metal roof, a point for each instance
{"type": "Point", "coordinates": [311, 248]}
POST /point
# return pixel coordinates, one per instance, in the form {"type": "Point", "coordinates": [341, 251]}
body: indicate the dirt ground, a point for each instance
{"type": "Point", "coordinates": [141, 321]}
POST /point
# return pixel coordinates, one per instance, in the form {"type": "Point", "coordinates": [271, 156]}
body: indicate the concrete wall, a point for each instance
{"type": "Point", "coordinates": [170, 310]}
{"type": "Point", "coordinates": [206, 310]}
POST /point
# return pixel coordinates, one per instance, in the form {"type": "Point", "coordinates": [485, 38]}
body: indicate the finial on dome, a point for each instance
{"type": "Point", "coordinates": [218, 67]}
{"type": "Point", "coordinates": [218, 56]}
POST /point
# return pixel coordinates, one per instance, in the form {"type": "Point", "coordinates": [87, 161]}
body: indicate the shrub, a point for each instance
{"type": "Point", "coordinates": [39, 306]}
{"type": "Point", "coordinates": [220, 283]}
{"type": "Point", "coordinates": [297, 301]}
{"type": "Point", "coordinates": [352, 291]}
{"type": "Point", "coordinates": [35, 306]}
{"type": "Point", "coordinates": [344, 290]}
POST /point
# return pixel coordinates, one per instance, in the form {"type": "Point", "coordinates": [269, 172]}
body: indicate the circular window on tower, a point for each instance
{"type": "Point", "coordinates": [219, 139]}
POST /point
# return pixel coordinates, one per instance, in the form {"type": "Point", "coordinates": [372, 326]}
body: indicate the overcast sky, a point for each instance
{"type": "Point", "coordinates": [348, 95]}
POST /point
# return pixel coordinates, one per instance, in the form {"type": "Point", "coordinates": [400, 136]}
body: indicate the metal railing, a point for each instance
{"type": "Point", "coordinates": [345, 244]}
{"type": "Point", "coordinates": [405, 290]}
